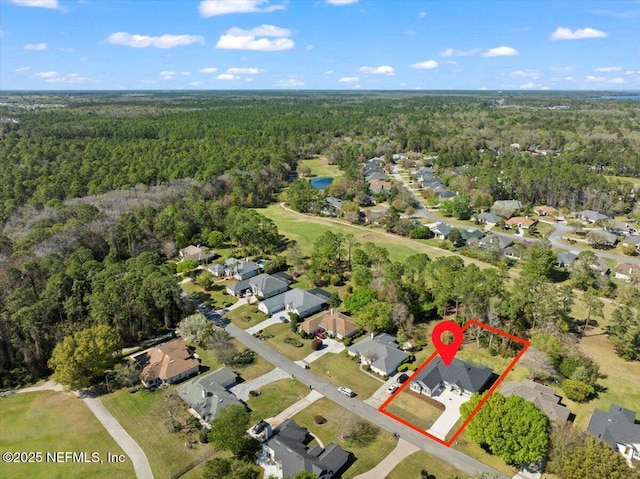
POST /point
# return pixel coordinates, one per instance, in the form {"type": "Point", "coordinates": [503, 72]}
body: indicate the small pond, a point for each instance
{"type": "Point", "coordinates": [321, 182]}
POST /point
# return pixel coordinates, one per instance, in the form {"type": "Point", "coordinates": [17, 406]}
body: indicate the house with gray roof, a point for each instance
{"type": "Point", "coordinates": [489, 219]}
{"type": "Point", "coordinates": [618, 428]}
{"type": "Point", "coordinates": [542, 396]}
{"type": "Point", "coordinates": [376, 175]}
{"type": "Point", "coordinates": [565, 259]}
{"type": "Point", "coordinates": [297, 301]}
{"type": "Point", "coordinates": [496, 241]}
{"type": "Point", "coordinates": [288, 450]}
{"type": "Point", "coordinates": [602, 238]}
{"type": "Point", "coordinates": [263, 286]}
{"type": "Point", "coordinates": [631, 241]}
{"type": "Point", "coordinates": [590, 216]}
{"type": "Point", "coordinates": [459, 376]}
{"type": "Point", "coordinates": [244, 270]}
{"type": "Point", "coordinates": [207, 395]}
{"type": "Point", "coordinates": [471, 234]}
{"type": "Point", "coordinates": [440, 230]}
{"type": "Point", "coordinates": [381, 353]}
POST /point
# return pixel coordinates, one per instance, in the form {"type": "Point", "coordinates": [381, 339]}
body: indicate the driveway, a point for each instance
{"type": "Point", "coordinates": [381, 395]}
{"type": "Point", "coordinates": [275, 319]}
{"type": "Point", "coordinates": [241, 391]}
{"type": "Point", "coordinates": [452, 402]}
{"type": "Point", "coordinates": [403, 449]}
{"type": "Point", "coordinates": [294, 409]}
{"type": "Point", "coordinates": [328, 346]}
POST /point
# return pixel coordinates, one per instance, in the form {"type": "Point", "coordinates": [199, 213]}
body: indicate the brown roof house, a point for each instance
{"type": "Point", "coordinates": [331, 322]}
{"type": "Point", "coordinates": [197, 253]}
{"type": "Point", "coordinates": [166, 363]}
{"type": "Point", "coordinates": [627, 271]}
{"type": "Point", "coordinates": [542, 396]}
{"type": "Point", "coordinates": [523, 222]}
{"type": "Point", "coordinates": [379, 186]}
{"type": "Point", "coordinates": [545, 210]}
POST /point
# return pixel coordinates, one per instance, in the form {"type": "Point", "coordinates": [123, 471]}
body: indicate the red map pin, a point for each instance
{"type": "Point", "coordinates": [447, 351]}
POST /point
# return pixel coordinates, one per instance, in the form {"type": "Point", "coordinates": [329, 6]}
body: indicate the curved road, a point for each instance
{"type": "Point", "coordinates": [464, 463]}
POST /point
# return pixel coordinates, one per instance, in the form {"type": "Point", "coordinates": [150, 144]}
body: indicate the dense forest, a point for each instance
{"type": "Point", "coordinates": [97, 194]}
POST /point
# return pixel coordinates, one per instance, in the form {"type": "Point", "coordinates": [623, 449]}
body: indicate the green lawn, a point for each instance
{"type": "Point", "coordinates": [634, 181]}
{"type": "Point", "coordinates": [141, 415]}
{"type": "Point", "coordinates": [410, 467]}
{"type": "Point", "coordinates": [50, 421]}
{"type": "Point", "coordinates": [365, 457]}
{"type": "Point", "coordinates": [343, 371]}
{"type": "Point", "coordinates": [305, 229]}
{"type": "Point", "coordinates": [321, 167]}
{"type": "Point", "coordinates": [281, 331]}
{"type": "Point", "coordinates": [275, 398]}
{"type": "Point", "coordinates": [257, 368]}
{"type": "Point", "coordinates": [245, 316]}
{"type": "Point", "coordinates": [466, 445]}
{"type": "Point", "coordinates": [414, 410]}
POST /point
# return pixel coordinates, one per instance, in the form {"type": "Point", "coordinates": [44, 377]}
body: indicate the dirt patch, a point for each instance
{"type": "Point", "coordinates": [370, 237]}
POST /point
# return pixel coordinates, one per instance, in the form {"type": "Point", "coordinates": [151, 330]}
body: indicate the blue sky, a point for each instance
{"type": "Point", "coordinates": [322, 44]}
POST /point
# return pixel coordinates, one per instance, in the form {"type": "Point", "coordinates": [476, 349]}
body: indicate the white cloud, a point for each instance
{"type": "Point", "coordinates": [564, 33]}
{"type": "Point", "coordinates": [238, 39]}
{"type": "Point", "coordinates": [527, 85]}
{"type": "Point", "coordinates": [341, 2]}
{"type": "Point", "coordinates": [23, 69]}
{"type": "Point", "coordinates": [46, 74]}
{"type": "Point", "coordinates": [329, 73]}
{"type": "Point", "coordinates": [381, 70]}
{"type": "Point", "coordinates": [533, 86]}
{"type": "Point", "coordinates": [74, 78]}
{"type": "Point", "coordinates": [483, 88]}
{"type": "Point", "coordinates": [423, 14]}
{"type": "Point", "coordinates": [185, 74]}
{"type": "Point", "coordinates": [208, 70]}
{"type": "Point", "coordinates": [608, 69]}
{"type": "Point", "coordinates": [309, 47]}
{"type": "Point", "coordinates": [227, 76]}
{"type": "Point", "coordinates": [52, 4]}
{"type": "Point", "coordinates": [144, 41]}
{"type": "Point", "coordinates": [501, 52]}
{"type": "Point", "coordinates": [428, 65]}
{"type": "Point", "coordinates": [167, 75]}
{"type": "Point", "coordinates": [290, 83]}
{"type": "Point", "coordinates": [561, 69]}
{"type": "Point", "coordinates": [243, 71]}
{"type": "Point", "coordinates": [450, 52]}
{"type": "Point", "coordinates": [194, 83]}
{"type": "Point", "coordinates": [349, 80]}
{"type": "Point", "coordinates": [525, 74]}
{"type": "Point", "coordinates": [149, 82]}
{"type": "Point", "coordinates": [592, 78]}
{"type": "Point", "coordinates": [36, 47]}
{"type": "Point", "coordinates": [212, 8]}
{"type": "Point", "coordinates": [616, 81]}
{"type": "Point", "coordinates": [570, 79]}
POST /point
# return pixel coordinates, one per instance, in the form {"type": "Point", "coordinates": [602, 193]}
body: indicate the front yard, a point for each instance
{"type": "Point", "coordinates": [415, 410]}
{"type": "Point", "coordinates": [275, 398]}
{"type": "Point", "coordinates": [410, 467]}
{"type": "Point", "coordinates": [342, 371]}
{"type": "Point", "coordinates": [366, 457]}
{"type": "Point", "coordinates": [282, 331]}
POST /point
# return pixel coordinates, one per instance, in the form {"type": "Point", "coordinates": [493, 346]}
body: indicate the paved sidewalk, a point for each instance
{"type": "Point", "coordinates": [47, 386]}
{"type": "Point", "coordinates": [402, 450]}
{"type": "Point", "coordinates": [294, 409]}
{"type": "Point", "coordinates": [241, 391]}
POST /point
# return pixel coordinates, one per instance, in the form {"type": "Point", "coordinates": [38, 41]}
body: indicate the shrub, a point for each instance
{"type": "Point", "coordinates": [294, 318]}
{"type": "Point", "coordinates": [316, 344]}
{"type": "Point", "coordinates": [335, 280]}
{"type": "Point", "coordinates": [254, 394]}
{"type": "Point", "coordinates": [577, 390]}
{"type": "Point", "coordinates": [319, 420]}
{"type": "Point", "coordinates": [403, 367]}
{"type": "Point", "coordinates": [293, 342]}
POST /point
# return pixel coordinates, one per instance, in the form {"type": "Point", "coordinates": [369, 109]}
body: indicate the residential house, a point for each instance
{"type": "Point", "coordinates": [565, 259]}
{"type": "Point", "coordinates": [542, 396]}
{"type": "Point", "coordinates": [374, 216]}
{"type": "Point", "coordinates": [331, 206]}
{"type": "Point", "coordinates": [602, 238]}
{"type": "Point", "coordinates": [217, 269]}
{"type": "Point", "coordinates": [618, 428]}
{"type": "Point", "coordinates": [332, 323]}
{"type": "Point", "coordinates": [207, 395]}
{"type": "Point", "coordinates": [376, 175]}
{"type": "Point", "coordinates": [287, 450]}
{"type": "Point", "coordinates": [618, 227]}
{"type": "Point", "coordinates": [261, 431]}
{"type": "Point", "coordinates": [225, 269]}
{"type": "Point", "coordinates": [627, 271]}
{"type": "Point", "coordinates": [459, 376]}
{"type": "Point", "coordinates": [520, 222]}
{"type": "Point", "coordinates": [374, 165]}
{"type": "Point", "coordinates": [545, 210]}
{"type": "Point", "coordinates": [440, 230]}
{"type": "Point", "coordinates": [489, 219]}
{"type": "Point", "coordinates": [243, 270]}
{"type": "Point", "coordinates": [517, 250]}
{"type": "Point", "coordinates": [632, 241]}
{"type": "Point", "coordinates": [197, 253]}
{"type": "Point", "coordinates": [381, 353]}
{"type": "Point", "coordinates": [601, 267]}
{"type": "Point", "coordinates": [379, 186]}
{"type": "Point", "coordinates": [287, 278]}
{"type": "Point", "coordinates": [297, 301]}
{"type": "Point", "coordinates": [496, 241]}
{"type": "Point", "coordinates": [590, 216]}
{"type": "Point", "coordinates": [166, 363]}
{"type": "Point", "coordinates": [263, 286]}
{"type": "Point", "coordinates": [506, 208]}
{"type": "Point", "coordinates": [471, 234]}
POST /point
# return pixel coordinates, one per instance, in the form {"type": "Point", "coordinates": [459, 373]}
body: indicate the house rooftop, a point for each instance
{"type": "Point", "coordinates": [464, 375]}
{"type": "Point", "coordinates": [384, 352]}
{"type": "Point", "coordinates": [206, 396]}
{"type": "Point", "coordinates": [542, 396]}
{"type": "Point", "coordinates": [617, 426]}
{"type": "Point", "coordinates": [331, 320]}
{"type": "Point", "coordinates": [165, 361]}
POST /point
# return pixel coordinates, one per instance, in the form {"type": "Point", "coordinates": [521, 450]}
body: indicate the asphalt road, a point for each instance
{"type": "Point", "coordinates": [461, 461]}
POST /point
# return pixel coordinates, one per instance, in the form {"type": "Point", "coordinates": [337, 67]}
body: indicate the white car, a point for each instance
{"type": "Point", "coordinates": [346, 391]}
{"type": "Point", "coordinates": [393, 388]}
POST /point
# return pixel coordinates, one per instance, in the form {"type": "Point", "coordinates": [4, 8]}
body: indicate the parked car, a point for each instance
{"type": "Point", "coordinates": [346, 391]}
{"type": "Point", "coordinates": [393, 388]}
{"type": "Point", "coordinates": [402, 378]}
{"type": "Point", "coordinates": [319, 335]}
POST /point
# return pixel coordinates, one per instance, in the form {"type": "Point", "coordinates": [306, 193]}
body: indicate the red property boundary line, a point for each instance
{"type": "Point", "coordinates": [471, 322]}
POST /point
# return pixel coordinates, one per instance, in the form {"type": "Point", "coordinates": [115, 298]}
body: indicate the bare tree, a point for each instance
{"type": "Point", "coordinates": [538, 364]}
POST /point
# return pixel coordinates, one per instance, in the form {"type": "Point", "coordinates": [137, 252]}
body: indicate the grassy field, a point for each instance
{"type": "Point", "coordinates": [306, 229]}
{"type": "Point", "coordinates": [281, 331]}
{"type": "Point", "coordinates": [141, 415]}
{"type": "Point", "coordinates": [321, 167]}
{"type": "Point", "coordinates": [247, 372]}
{"type": "Point", "coordinates": [410, 467]}
{"type": "Point", "coordinates": [466, 445]}
{"type": "Point", "coordinates": [634, 181]}
{"type": "Point", "coordinates": [366, 457]}
{"type": "Point", "coordinates": [342, 371]}
{"type": "Point", "coordinates": [50, 421]}
{"type": "Point", "coordinates": [414, 410]}
{"type": "Point", "coordinates": [275, 398]}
